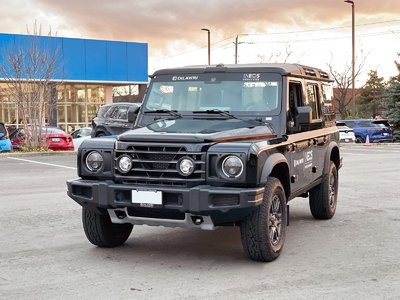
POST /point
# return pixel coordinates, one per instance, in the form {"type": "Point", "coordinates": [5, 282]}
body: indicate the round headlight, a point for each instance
{"type": "Point", "coordinates": [124, 163]}
{"type": "Point", "coordinates": [232, 166]}
{"type": "Point", "coordinates": [94, 161]}
{"type": "Point", "coordinates": [186, 166]}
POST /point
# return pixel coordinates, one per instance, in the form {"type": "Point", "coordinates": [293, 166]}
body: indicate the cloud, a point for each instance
{"type": "Point", "coordinates": [161, 22]}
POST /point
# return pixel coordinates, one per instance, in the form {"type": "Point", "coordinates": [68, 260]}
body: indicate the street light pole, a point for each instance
{"type": "Point", "coordinates": [236, 49]}
{"type": "Point", "coordinates": [353, 100]}
{"type": "Point", "coordinates": [208, 43]}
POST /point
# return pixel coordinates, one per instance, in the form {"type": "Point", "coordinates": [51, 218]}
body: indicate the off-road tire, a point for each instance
{"type": "Point", "coordinates": [256, 229]}
{"type": "Point", "coordinates": [359, 140]}
{"type": "Point", "coordinates": [323, 198]}
{"type": "Point", "coordinates": [101, 232]}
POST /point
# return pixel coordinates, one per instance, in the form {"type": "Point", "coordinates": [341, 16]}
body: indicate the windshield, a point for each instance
{"type": "Point", "coordinates": [238, 93]}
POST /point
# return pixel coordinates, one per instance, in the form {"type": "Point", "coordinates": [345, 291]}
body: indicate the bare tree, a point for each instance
{"type": "Point", "coordinates": [277, 56]}
{"type": "Point", "coordinates": [29, 69]}
{"type": "Point", "coordinates": [343, 83]}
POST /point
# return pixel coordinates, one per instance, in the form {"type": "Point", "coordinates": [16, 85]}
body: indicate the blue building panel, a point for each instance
{"type": "Point", "coordinates": [96, 60]}
{"type": "Point", "coordinates": [5, 41]}
{"type": "Point", "coordinates": [117, 67]}
{"type": "Point", "coordinates": [137, 62]}
{"type": "Point", "coordinates": [84, 60]}
{"type": "Point", "coordinates": [73, 59]}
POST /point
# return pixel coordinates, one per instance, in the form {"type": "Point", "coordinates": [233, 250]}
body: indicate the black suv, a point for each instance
{"type": "Point", "coordinates": [216, 146]}
{"type": "Point", "coordinates": [112, 119]}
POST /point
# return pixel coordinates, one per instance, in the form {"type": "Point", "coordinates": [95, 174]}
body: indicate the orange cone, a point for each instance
{"type": "Point", "coordinates": [367, 141]}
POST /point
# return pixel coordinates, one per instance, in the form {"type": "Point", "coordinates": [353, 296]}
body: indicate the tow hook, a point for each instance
{"type": "Point", "coordinates": [120, 214]}
{"type": "Point", "coordinates": [197, 220]}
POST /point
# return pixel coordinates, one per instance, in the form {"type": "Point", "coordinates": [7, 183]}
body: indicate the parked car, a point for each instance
{"type": "Point", "coordinates": [376, 130]}
{"type": "Point", "coordinates": [5, 143]}
{"type": "Point", "coordinates": [112, 119]}
{"type": "Point", "coordinates": [79, 135]}
{"type": "Point", "coordinates": [56, 138]}
{"type": "Point", "coordinates": [346, 134]}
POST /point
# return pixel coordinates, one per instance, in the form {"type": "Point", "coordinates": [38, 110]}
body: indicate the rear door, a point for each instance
{"type": "Point", "coordinates": [117, 121]}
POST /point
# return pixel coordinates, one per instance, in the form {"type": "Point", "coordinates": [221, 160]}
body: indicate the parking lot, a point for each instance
{"type": "Point", "coordinates": [44, 253]}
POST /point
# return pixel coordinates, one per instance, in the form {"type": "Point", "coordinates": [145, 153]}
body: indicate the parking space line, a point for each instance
{"type": "Point", "coordinates": [42, 163]}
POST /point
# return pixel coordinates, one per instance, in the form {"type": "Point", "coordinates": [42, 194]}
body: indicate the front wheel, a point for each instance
{"type": "Point", "coordinates": [323, 198]}
{"type": "Point", "coordinates": [263, 231]}
{"type": "Point", "coordinates": [359, 139]}
{"type": "Point", "coordinates": [100, 231]}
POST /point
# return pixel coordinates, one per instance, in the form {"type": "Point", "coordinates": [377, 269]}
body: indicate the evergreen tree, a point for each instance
{"type": "Point", "coordinates": [370, 101]}
{"type": "Point", "coordinates": [392, 99]}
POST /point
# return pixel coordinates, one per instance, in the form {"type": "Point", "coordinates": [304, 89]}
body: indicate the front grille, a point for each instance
{"type": "Point", "coordinates": [157, 165]}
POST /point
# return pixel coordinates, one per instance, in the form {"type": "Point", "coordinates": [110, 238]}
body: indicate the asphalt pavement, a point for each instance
{"type": "Point", "coordinates": [44, 253]}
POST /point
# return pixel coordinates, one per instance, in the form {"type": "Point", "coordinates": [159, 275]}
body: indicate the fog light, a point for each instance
{"type": "Point", "coordinates": [124, 163]}
{"type": "Point", "coordinates": [94, 161]}
{"type": "Point", "coordinates": [186, 166]}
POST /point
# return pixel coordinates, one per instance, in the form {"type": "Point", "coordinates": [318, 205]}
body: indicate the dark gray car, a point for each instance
{"type": "Point", "coordinates": [112, 119]}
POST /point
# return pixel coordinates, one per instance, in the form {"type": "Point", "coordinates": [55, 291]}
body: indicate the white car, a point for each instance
{"type": "Point", "coordinates": [346, 134]}
{"type": "Point", "coordinates": [79, 135]}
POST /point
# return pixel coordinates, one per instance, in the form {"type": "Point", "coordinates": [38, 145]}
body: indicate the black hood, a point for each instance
{"type": "Point", "coordinates": [199, 131]}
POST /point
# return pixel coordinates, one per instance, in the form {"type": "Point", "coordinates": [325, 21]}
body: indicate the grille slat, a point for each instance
{"type": "Point", "coordinates": [157, 164]}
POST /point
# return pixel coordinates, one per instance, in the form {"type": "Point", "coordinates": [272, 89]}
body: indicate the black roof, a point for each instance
{"type": "Point", "coordinates": [296, 70]}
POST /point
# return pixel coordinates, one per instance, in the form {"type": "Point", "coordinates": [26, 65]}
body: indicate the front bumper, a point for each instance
{"type": "Point", "coordinates": [203, 200]}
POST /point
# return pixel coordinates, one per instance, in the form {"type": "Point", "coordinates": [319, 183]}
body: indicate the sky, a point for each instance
{"type": "Point", "coordinates": [311, 32]}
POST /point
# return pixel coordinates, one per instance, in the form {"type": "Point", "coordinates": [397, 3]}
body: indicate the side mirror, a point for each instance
{"type": "Point", "coordinates": [132, 114]}
{"type": "Point", "coordinates": [1, 135]}
{"type": "Point", "coordinates": [304, 115]}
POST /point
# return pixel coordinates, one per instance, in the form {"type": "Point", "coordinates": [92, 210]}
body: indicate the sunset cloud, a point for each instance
{"type": "Point", "coordinates": [161, 22]}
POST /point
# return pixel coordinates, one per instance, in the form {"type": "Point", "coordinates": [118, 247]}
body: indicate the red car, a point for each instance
{"type": "Point", "coordinates": [56, 138]}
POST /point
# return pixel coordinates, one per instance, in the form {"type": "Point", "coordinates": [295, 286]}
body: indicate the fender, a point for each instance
{"type": "Point", "coordinates": [328, 153]}
{"type": "Point", "coordinates": [270, 163]}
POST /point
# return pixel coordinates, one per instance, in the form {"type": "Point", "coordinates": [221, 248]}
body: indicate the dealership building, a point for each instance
{"type": "Point", "coordinates": [94, 72]}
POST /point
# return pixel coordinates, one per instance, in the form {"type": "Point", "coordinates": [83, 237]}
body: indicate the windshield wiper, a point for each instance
{"type": "Point", "coordinates": [217, 112]}
{"type": "Point", "coordinates": [164, 111]}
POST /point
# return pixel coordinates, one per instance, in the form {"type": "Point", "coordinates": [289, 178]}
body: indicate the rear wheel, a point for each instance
{"type": "Point", "coordinates": [101, 232]}
{"type": "Point", "coordinates": [323, 198]}
{"type": "Point", "coordinates": [263, 231]}
{"type": "Point", "coordinates": [100, 134]}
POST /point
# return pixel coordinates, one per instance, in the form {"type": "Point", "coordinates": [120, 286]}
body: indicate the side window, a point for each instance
{"type": "Point", "coordinates": [365, 124]}
{"type": "Point", "coordinates": [76, 134]}
{"type": "Point", "coordinates": [313, 100]}
{"type": "Point", "coordinates": [122, 113]}
{"type": "Point", "coordinates": [295, 99]}
{"type": "Point", "coordinates": [111, 112]}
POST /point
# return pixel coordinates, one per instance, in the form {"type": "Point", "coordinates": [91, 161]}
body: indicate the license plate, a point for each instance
{"type": "Point", "coordinates": [55, 139]}
{"type": "Point", "coordinates": [147, 197]}
{"type": "Point", "coordinates": [346, 140]}
{"type": "Point", "coordinates": [385, 134]}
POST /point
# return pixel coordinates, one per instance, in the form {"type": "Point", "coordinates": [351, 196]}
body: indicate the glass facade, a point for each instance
{"type": "Point", "coordinates": [76, 106]}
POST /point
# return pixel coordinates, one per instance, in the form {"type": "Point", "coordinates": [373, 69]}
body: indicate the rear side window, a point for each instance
{"type": "Point", "coordinates": [383, 124]}
{"type": "Point", "coordinates": [313, 100]}
{"type": "Point", "coordinates": [102, 111]}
